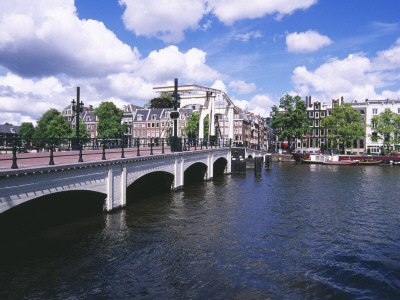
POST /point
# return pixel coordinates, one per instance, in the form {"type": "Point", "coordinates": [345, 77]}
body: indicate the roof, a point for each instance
{"type": "Point", "coordinates": [9, 129]}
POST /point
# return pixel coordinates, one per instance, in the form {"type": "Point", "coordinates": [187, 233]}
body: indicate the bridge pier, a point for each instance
{"type": "Point", "coordinates": [116, 186]}
{"type": "Point", "coordinates": [178, 173]}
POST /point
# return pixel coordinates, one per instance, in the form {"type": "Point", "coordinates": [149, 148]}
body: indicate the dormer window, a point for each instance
{"type": "Point", "coordinates": [140, 117]}
{"type": "Point", "coordinates": [154, 117]}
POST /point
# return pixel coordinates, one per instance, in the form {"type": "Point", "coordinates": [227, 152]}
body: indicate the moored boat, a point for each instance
{"type": "Point", "coordinates": [341, 162]}
{"type": "Point", "coordinates": [369, 162]}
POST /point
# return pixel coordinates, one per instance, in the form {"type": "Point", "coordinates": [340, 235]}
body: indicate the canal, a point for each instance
{"type": "Point", "coordinates": [294, 232]}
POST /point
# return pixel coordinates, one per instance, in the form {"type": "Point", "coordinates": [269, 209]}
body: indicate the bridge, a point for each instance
{"type": "Point", "coordinates": [109, 172]}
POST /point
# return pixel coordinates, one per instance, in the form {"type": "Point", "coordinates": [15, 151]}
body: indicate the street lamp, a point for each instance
{"type": "Point", "coordinates": [77, 107]}
{"type": "Point", "coordinates": [175, 145]}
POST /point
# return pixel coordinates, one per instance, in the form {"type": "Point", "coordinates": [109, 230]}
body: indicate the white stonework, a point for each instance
{"type": "Point", "coordinates": [111, 177]}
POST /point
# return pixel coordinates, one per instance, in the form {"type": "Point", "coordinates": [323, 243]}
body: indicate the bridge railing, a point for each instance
{"type": "Point", "coordinates": [42, 151]}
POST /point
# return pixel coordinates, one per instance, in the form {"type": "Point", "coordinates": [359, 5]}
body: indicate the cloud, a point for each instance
{"type": "Point", "coordinates": [47, 38]}
{"type": "Point", "coordinates": [167, 63]}
{"type": "Point", "coordinates": [163, 19]}
{"type": "Point", "coordinates": [168, 19]}
{"type": "Point", "coordinates": [259, 104]}
{"type": "Point", "coordinates": [231, 11]}
{"type": "Point", "coordinates": [355, 77]}
{"type": "Point", "coordinates": [219, 85]}
{"type": "Point", "coordinates": [241, 87]}
{"type": "Point", "coordinates": [304, 42]}
{"type": "Point", "coordinates": [245, 37]}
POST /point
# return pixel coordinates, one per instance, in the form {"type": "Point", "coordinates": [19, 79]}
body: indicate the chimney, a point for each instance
{"type": "Point", "coordinates": [306, 101]}
{"type": "Point", "coordinates": [309, 101]}
{"type": "Point", "coordinates": [90, 107]}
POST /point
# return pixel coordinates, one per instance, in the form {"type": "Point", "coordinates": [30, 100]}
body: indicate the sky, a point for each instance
{"type": "Point", "coordinates": [256, 51]}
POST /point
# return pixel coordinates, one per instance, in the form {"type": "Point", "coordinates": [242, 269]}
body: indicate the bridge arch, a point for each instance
{"type": "Point", "coordinates": [219, 166]}
{"type": "Point", "coordinates": [195, 173]}
{"type": "Point", "coordinates": [149, 184]}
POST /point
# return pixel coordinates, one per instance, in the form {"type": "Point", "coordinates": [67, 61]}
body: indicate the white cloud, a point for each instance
{"type": "Point", "coordinates": [169, 62]}
{"type": "Point", "coordinates": [355, 77]}
{"type": "Point", "coordinates": [259, 104]}
{"type": "Point", "coordinates": [219, 85]}
{"type": "Point", "coordinates": [47, 38]}
{"type": "Point", "coordinates": [234, 10]}
{"type": "Point", "coordinates": [388, 59]}
{"type": "Point", "coordinates": [168, 19]}
{"type": "Point", "coordinates": [245, 37]}
{"type": "Point", "coordinates": [164, 19]}
{"type": "Point", "coordinates": [241, 87]}
{"type": "Point", "coordinates": [305, 42]}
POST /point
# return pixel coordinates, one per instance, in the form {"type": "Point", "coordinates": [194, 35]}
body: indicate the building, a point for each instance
{"type": "Point", "coordinates": [370, 109]}
{"type": "Point", "coordinates": [87, 117]}
{"type": "Point", "coordinates": [7, 133]}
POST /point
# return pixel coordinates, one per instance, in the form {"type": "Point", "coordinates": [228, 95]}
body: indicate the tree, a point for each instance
{"type": "Point", "coordinates": [343, 126]}
{"type": "Point", "coordinates": [387, 127]}
{"type": "Point", "coordinates": [192, 127]}
{"type": "Point", "coordinates": [26, 130]}
{"type": "Point", "coordinates": [289, 120]}
{"type": "Point", "coordinates": [52, 124]}
{"type": "Point", "coordinates": [164, 101]}
{"type": "Point", "coordinates": [110, 117]}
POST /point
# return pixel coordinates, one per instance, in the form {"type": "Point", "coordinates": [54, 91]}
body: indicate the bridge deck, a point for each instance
{"type": "Point", "coordinates": [28, 160]}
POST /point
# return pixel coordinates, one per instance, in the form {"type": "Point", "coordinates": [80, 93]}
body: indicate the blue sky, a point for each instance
{"type": "Point", "coordinates": [118, 50]}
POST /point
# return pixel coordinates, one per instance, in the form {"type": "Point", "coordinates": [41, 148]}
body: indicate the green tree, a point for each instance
{"type": "Point", "coordinates": [52, 124]}
{"type": "Point", "coordinates": [289, 120]}
{"type": "Point", "coordinates": [387, 127]}
{"type": "Point", "coordinates": [192, 126]}
{"type": "Point", "coordinates": [110, 117]}
{"type": "Point", "coordinates": [82, 130]}
{"type": "Point", "coordinates": [343, 126]}
{"type": "Point", "coordinates": [26, 130]}
{"type": "Point", "coordinates": [164, 101]}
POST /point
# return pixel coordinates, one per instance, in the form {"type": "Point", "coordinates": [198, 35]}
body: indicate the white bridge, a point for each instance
{"type": "Point", "coordinates": [112, 177]}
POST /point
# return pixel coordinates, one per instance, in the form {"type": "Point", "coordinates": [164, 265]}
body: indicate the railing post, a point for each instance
{"type": "Point", "coordinates": [138, 145]}
{"type": "Point", "coordinates": [151, 146]}
{"type": "Point", "coordinates": [80, 149]}
{"type": "Point", "coordinates": [201, 144]}
{"type": "Point", "coordinates": [14, 151]}
{"type": "Point", "coordinates": [162, 146]}
{"type": "Point", "coordinates": [122, 147]}
{"type": "Point", "coordinates": [104, 149]}
{"type": "Point", "coordinates": [195, 143]}
{"type": "Point", "coordinates": [51, 162]}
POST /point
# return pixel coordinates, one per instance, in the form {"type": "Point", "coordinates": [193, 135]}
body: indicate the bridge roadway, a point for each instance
{"type": "Point", "coordinates": [36, 178]}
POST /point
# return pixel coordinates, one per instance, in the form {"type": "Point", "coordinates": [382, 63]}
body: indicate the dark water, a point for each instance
{"type": "Point", "coordinates": [295, 232]}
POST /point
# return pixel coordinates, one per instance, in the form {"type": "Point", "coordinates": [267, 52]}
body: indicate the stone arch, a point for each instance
{"type": "Point", "coordinates": [219, 166]}
{"type": "Point", "coordinates": [149, 184]}
{"type": "Point", "coordinates": [194, 173]}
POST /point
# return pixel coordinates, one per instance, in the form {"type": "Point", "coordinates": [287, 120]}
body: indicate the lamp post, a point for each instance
{"type": "Point", "coordinates": [175, 145]}
{"type": "Point", "coordinates": [77, 107]}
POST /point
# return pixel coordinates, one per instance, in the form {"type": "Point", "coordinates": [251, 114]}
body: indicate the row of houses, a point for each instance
{"type": "Point", "coordinates": [249, 129]}
{"type": "Point", "coordinates": [316, 111]}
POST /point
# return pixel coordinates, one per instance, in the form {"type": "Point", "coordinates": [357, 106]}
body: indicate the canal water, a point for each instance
{"type": "Point", "coordinates": [294, 232]}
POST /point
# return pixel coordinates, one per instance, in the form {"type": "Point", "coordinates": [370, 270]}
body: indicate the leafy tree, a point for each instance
{"type": "Point", "coordinates": [387, 127]}
{"type": "Point", "coordinates": [110, 117]}
{"type": "Point", "coordinates": [289, 120]}
{"type": "Point", "coordinates": [343, 126]}
{"type": "Point", "coordinates": [164, 101]}
{"type": "Point", "coordinates": [52, 124]}
{"type": "Point", "coordinates": [192, 127]}
{"type": "Point", "coordinates": [26, 130]}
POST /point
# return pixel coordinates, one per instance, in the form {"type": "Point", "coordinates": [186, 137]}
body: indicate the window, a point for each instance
{"type": "Point", "coordinates": [316, 123]}
{"type": "Point", "coordinates": [362, 111]}
{"type": "Point", "coordinates": [374, 111]}
{"type": "Point", "coordinates": [322, 114]}
{"type": "Point", "coordinates": [154, 117]}
{"type": "Point", "coordinates": [316, 115]}
{"type": "Point", "coordinates": [311, 114]}
{"type": "Point", "coordinates": [140, 117]}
